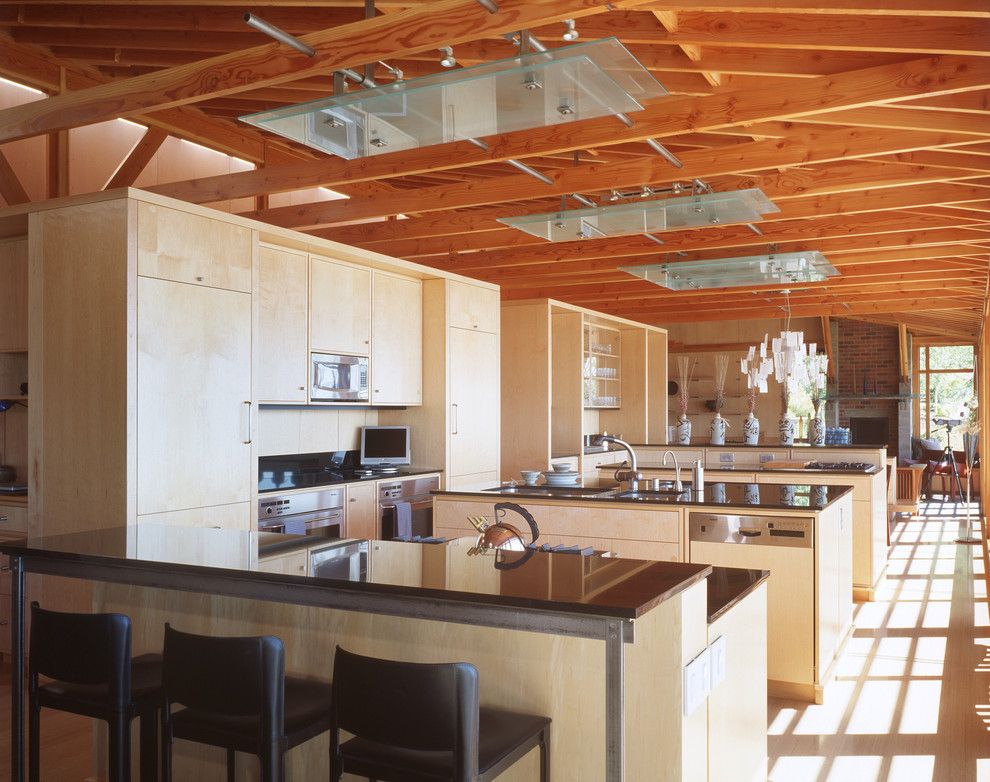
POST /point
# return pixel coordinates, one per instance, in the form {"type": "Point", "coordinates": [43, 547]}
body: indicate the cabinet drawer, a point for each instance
{"type": "Point", "coordinates": [293, 564]}
{"type": "Point", "coordinates": [614, 520]}
{"type": "Point", "coordinates": [472, 307]}
{"type": "Point", "coordinates": [13, 518]}
{"type": "Point", "coordinates": [645, 549]}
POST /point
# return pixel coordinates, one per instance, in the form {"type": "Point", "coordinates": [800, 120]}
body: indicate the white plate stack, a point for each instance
{"type": "Point", "coordinates": [562, 478]}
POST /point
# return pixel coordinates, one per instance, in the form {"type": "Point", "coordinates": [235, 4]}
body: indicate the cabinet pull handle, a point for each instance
{"type": "Point", "coordinates": [352, 499]}
{"type": "Point", "coordinates": [247, 431]}
{"type": "Point", "coordinates": [453, 410]}
{"type": "Point", "coordinates": [4, 622]}
{"type": "Point", "coordinates": [4, 518]}
{"type": "Point", "coordinates": [5, 569]}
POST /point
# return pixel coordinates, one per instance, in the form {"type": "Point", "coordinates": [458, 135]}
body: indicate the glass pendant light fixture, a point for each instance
{"type": "Point", "coordinates": [531, 90]}
{"type": "Point", "coordinates": [653, 216]}
{"type": "Point", "coordinates": [794, 267]}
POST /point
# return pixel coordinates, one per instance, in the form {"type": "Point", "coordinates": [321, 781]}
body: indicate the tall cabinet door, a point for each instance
{"type": "Point", "coordinates": [283, 362]}
{"type": "Point", "coordinates": [474, 402]}
{"type": "Point", "coordinates": [194, 416]}
{"type": "Point", "coordinates": [397, 341]}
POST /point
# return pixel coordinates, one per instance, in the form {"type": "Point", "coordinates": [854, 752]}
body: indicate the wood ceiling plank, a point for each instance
{"type": "Point", "coordinates": [174, 40]}
{"type": "Point", "coordinates": [135, 162]}
{"type": "Point", "coordinates": [344, 46]}
{"type": "Point", "coordinates": [961, 160]}
{"type": "Point", "coordinates": [664, 119]}
{"type": "Point", "coordinates": [905, 119]}
{"type": "Point", "coordinates": [966, 102]}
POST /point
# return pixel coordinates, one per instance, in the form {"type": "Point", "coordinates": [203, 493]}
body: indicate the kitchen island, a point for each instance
{"type": "Point", "coordinates": [804, 530]}
{"type": "Point", "coordinates": [598, 644]}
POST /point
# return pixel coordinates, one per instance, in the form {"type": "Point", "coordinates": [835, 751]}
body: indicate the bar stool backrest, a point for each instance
{"type": "Point", "coordinates": [430, 707]}
{"type": "Point", "coordinates": [240, 676]}
{"type": "Point", "coordinates": [82, 649]}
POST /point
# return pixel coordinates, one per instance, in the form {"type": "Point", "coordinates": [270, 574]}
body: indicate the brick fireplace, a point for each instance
{"type": "Point", "coordinates": [867, 359]}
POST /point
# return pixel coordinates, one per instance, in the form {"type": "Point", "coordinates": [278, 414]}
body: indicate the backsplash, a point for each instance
{"type": "Point", "coordinates": [283, 430]}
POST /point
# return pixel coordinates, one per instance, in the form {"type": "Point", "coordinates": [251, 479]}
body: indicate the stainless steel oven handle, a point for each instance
{"type": "Point", "coordinates": [247, 436]}
{"type": "Point", "coordinates": [453, 410]}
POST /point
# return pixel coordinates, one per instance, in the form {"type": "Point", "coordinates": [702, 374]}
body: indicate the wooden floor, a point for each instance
{"type": "Point", "coordinates": [910, 702]}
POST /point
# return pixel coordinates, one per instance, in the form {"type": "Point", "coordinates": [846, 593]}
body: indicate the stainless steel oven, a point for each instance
{"type": "Point", "coordinates": [319, 513]}
{"type": "Point", "coordinates": [338, 378]}
{"type": "Point", "coordinates": [405, 507]}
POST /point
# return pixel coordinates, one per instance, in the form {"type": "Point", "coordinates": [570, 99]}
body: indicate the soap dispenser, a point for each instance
{"type": "Point", "coordinates": [698, 476]}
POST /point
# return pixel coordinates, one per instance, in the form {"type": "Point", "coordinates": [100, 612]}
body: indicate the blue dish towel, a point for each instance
{"type": "Point", "coordinates": [403, 520]}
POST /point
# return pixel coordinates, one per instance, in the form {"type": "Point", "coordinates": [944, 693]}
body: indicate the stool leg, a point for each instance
{"type": "Point", "coordinates": [149, 746]}
{"type": "Point", "coordinates": [34, 740]}
{"type": "Point", "coordinates": [166, 750]}
{"type": "Point", "coordinates": [118, 757]}
{"type": "Point", "coordinates": [273, 764]}
{"type": "Point", "coordinates": [231, 766]}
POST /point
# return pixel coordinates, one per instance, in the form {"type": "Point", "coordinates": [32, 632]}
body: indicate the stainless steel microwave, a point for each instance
{"type": "Point", "coordinates": [338, 378]}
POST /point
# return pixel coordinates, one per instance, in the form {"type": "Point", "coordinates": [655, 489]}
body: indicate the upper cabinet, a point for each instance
{"type": "Point", "coordinates": [283, 286]}
{"type": "Point", "coordinates": [339, 307]}
{"type": "Point", "coordinates": [184, 247]}
{"type": "Point", "coordinates": [397, 340]}
{"type": "Point", "coordinates": [473, 307]}
{"type": "Point", "coordinates": [13, 295]}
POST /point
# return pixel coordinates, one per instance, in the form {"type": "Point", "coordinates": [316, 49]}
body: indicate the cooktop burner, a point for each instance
{"type": "Point", "coordinates": [852, 466]}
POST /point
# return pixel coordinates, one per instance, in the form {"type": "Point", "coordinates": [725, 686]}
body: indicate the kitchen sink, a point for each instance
{"type": "Point", "coordinates": [647, 496]}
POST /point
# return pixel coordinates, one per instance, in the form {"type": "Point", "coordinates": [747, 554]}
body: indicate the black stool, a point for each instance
{"type": "Point", "coordinates": [89, 658]}
{"type": "Point", "coordinates": [236, 696]}
{"type": "Point", "coordinates": [417, 722]}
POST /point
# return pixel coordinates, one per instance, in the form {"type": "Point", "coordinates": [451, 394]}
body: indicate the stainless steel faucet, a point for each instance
{"type": "Point", "coordinates": [678, 486]}
{"type": "Point", "coordinates": [633, 476]}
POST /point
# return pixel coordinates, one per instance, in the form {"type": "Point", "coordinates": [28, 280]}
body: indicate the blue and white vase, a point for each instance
{"type": "Point", "coordinates": [816, 432]}
{"type": "Point", "coordinates": [682, 435]}
{"type": "Point", "coordinates": [786, 431]}
{"type": "Point", "coordinates": [717, 429]}
{"type": "Point", "coordinates": [751, 430]}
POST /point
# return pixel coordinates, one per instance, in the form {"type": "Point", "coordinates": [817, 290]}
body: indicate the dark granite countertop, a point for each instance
{"type": "Point", "coordinates": [738, 445]}
{"type": "Point", "coordinates": [327, 478]}
{"type": "Point", "coordinates": [559, 583]}
{"type": "Point", "coordinates": [728, 585]}
{"type": "Point", "coordinates": [765, 467]}
{"type": "Point", "coordinates": [785, 496]}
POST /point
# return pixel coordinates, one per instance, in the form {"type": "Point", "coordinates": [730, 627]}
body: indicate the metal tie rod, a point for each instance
{"type": "Point", "coordinates": [489, 5]}
{"type": "Point", "coordinates": [278, 34]}
{"type": "Point", "coordinates": [665, 153]}
{"type": "Point", "coordinates": [531, 171]}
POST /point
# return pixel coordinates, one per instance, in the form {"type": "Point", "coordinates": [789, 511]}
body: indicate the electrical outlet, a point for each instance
{"type": "Point", "coordinates": [766, 457]}
{"type": "Point", "coordinates": [727, 457]}
{"type": "Point", "coordinates": [697, 682]}
{"type": "Point", "coordinates": [717, 650]}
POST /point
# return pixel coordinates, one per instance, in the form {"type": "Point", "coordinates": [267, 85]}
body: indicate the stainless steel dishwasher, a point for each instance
{"type": "Point", "coordinates": [786, 547]}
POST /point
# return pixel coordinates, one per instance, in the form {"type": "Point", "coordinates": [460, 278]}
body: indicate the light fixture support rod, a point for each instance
{"type": "Point", "coordinates": [653, 238]}
{"type": "Point", "coordinates": [755, 229]}
{"type": "Point", "coordinates": [531, 171]}
{"type": "Point", "coordinates": [369, 68]}
{"type": "Point", "coordinates": [479, 143]}
{"type": "Point", "coordinates": [665, 153]}
{"type": "Point", "coordinates": [583, 200]}
{"type": "Point", "coordinates": [489, 5]}
{"type": "Point", "coordinates": [278, 34]}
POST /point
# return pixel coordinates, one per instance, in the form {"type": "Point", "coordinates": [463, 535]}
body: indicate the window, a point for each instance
{"type": "Point", "coordinates": [943, 387]}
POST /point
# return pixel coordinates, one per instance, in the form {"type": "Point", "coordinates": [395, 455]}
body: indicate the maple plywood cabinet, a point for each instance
{"type": "Point", "coordinates": [283, 307]}
{"type": "Point", "coordinates": [339, 307]}
{"type": "Point", "coordinates": [396, 340]}
{"type": "Point", "coordinates": [361, 519]}
{"type": "Point", "coordinates": [457, 426]}
{"type": "Point", "coordinates": [13, 295]}
{"type": "Point", "coordinates": [142, 368]}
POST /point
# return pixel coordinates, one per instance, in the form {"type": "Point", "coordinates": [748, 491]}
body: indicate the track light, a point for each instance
{"type": "Point", "coordinates": [447, 60]}
{"type": "Point", "coordinates": [570, 31]}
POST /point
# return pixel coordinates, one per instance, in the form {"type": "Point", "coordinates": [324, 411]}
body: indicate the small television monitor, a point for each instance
{"type": "Point", "coordinates": [384, 445]}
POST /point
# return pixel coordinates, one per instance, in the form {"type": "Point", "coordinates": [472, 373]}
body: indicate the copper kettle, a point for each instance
{"type": "Point", "coordinates": [501, 535]}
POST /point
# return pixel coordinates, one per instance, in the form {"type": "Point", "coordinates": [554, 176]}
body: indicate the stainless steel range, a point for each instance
{"type": "Point", "coordinates": [319, 513]}
{"type": "Point", "coordinates": [405, 507]}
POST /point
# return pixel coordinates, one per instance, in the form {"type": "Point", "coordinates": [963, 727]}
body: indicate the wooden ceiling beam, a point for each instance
{"type": "Point", "coordinates": [138, 158]}
{"type": "Point", "coordinates": [344, 46]}
{"type": "Point", "coordinates": [34, 66]}
{"type": "Point", "coordinates": [666, 118]}
{"type": "Point", "coordinates": [898, 118]}
{"type": "Point", "coordinates": [963, 102]}
{"type": "Point", "coordinates": [11, 189]}
{"type": "Point", "coordinates": [743, 158]}
{"type": "Point", "coordinates": [802, 207]}
{"type": "Point", "coordinates": [524, 263]}
{"type": "Point", "coordinates": [168, 16]}
{"type": "Point", "coordinates": [961, 160]}
{"type": "Point", "coordinates": [842, 32]}
{"type": "Point", "coordinates": [937, 8]}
